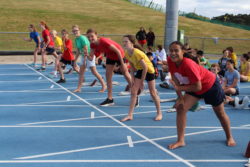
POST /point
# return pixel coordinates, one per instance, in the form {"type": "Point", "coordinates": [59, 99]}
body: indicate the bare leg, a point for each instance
{"type": "Point", "coordinates": [81, 78]}
{"type": "Point", "coordinates": [99, 77]}
{"type": "Point", "coordinates": [225, 123]}
{"type": "Point", "coordinates": [109, 75]}
{"type": "Point", "coordinates": [35, 55]}
{"type": "Point", "coordinates": [189, 101]}
{"type": "Point", "coordinates": [56, 60]}
{"type": "Point", "coordinates": [44, 57]}
{"type": "Point", "coordinates": [60, 70]}
{"type": "Point", "coordinates": [134, 90]}
{"type": "Point", "coordinates": [154, 95]}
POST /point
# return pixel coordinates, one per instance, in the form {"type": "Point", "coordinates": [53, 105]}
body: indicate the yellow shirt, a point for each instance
{"type": "Point", "coordinates": [243, 68]}
{"type": "Point", "coordinates": [58, 43]}
{"type": "Point", "coordinates": [135, 58]}
{"type": "Point", "coordinates": [234, 58]}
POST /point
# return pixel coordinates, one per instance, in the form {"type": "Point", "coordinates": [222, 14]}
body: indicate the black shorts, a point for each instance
{"type": "Point", "coordinates": [214, 96]}
{"type": "Point", "coordinates": [72, 62]}
{"type": "Point", "coordinates": [113, 62]}
{"type": "Point", "coordinates": [50, 50]}
{"type": "Point", "coordinates": [149, 77]}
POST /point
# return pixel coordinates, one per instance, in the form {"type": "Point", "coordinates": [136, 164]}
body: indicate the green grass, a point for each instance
{"type": "Point", "coordinates": [107, 17]}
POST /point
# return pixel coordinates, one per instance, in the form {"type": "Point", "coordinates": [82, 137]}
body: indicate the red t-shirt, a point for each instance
{"type": "Point", "coordinates": [189, 73]}
{"type": "Point", "coordinates": [46, 33]}
{"type": "Point", "coordinates": [103, 47]}
{"type": "Point", "coordinates": [68, 54]}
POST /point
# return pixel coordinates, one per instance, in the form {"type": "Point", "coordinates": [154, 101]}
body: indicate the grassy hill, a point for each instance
{"type": "Point", "coordinates": [107, 17]}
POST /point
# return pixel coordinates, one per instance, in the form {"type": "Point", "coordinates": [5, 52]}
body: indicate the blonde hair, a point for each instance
{"type": "Point", "coordinates": [75, 26]}
{"type": "Point", "coordinates": [54, 32]}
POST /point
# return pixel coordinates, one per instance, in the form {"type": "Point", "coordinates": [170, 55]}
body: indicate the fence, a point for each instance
{"type": "Point", "coordinates": [13, 41]}
{"type": "Point", "coordinates": [149, 4]}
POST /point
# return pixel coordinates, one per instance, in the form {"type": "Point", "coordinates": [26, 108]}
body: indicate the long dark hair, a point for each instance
{"type": "Point", "coordinates": [131, 38]}
{"type": "Point", "coordinates": [177, 43]}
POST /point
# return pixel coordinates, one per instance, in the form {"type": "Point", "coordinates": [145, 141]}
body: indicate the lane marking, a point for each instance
{"type": "Point", "coordinates": [117, 121]}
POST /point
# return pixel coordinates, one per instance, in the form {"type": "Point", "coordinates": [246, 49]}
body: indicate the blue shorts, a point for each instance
{"type": "Point", "coordinates": [214, 96]}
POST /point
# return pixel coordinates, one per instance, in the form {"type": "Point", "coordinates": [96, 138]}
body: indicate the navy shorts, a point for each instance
{"type": "Point", "coordinates": [66, 62]}
{"type": "Point", "coordinates": [214, 96]}
{"type": "Point", "coordinates": [50, 50]}
{"type": "Point", "coordinates": [149, 77]}
{"type": "Point", "coordinates": [113, 62]}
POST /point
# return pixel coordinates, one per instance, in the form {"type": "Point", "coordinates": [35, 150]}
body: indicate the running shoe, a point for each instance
{"type": "Point", "coordinates": [61, 81]}
{"type": "Point", "coordinates": [107, 102]}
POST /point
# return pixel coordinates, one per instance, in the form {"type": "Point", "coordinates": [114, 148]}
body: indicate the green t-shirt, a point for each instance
{"type": "Point", "coordinates": [81, 42]}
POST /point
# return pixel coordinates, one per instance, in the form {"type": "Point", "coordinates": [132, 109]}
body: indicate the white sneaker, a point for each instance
{"type": "Point", "coordinates": [236, 102]}
{"type": "Point", "coordinates": [124, 93]}
{"type": "Point", "coordinates": [245, 102]}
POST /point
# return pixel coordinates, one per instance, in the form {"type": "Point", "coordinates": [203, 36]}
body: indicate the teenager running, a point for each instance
{"type": "Point", "coordinates": [34, 35]}
{"type": "Point", "coordinates": [197, 83]}
{"type": "Point", "coordinates": [48, 47]}
{"type": "Point", "coordinates": [114, 55]}
{"type": "Point", "coordinates": [67, 56]}
{"type": "Point", "coordinates": [144, 71]}
{"type": "Point", "coordinates": [83, 48]}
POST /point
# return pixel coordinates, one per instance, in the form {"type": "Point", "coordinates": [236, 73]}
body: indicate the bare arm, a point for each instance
{"type": "Point", "coordinates": [247, 69]}
{"type": "Point", "coordinates": [145, 69]}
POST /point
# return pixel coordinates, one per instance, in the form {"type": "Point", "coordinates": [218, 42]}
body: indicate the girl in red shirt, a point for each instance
{"type": "Point", "coordinates": [114, 55]}
{"type": "Point", "coordinates": [197, 83]}
{"type": "Point", "coordinates": [48, 47]}
{"type": "Point", "coordinates": [67, 56]}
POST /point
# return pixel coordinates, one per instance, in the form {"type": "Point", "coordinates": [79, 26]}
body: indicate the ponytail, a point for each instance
{"type": "Point", "coordinates": [44, 24]}
{"type": "Point", "coordinates": [131, 38]}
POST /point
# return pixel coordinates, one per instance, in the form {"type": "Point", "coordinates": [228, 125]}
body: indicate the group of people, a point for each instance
{"type": "Point", "coordinates": [183, 66]}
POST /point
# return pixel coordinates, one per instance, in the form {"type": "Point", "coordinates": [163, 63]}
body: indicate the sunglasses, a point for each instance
{"type": "Point", "coordinates": [75, 30]}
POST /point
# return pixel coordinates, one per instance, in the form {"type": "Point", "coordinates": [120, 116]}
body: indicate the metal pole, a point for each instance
{"type": "Point", "coordinates": [171, 26]}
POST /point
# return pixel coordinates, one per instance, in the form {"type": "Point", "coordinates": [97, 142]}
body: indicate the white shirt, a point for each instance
{"type": "Point", "coordinates": [161, 55]}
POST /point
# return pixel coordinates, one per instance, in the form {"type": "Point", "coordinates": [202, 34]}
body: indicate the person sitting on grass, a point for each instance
{"type": "Point", "coordinates": [245, 68]}
{"type": "Point", "coordinates": [67, 56]}
{"type": "Point", "coordinates": [197, 83]}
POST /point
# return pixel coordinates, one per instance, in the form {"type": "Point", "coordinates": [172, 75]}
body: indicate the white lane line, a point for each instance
{"type": "Point", "coordinates": [78, 119]}
{"type": "Point", "coordinates": [48, 102]}
{"type": "Point", "coordinates": [113, 127]}
{"type": "Point", "coordinates": [117, 121]}
{"type": "Point", "coordinates": [113, 145]}
{"type": "Point", "coordinates": [20, 105]}
{"type": "Point", "coordinates": [130, 141]}
{"type": "Point", "coordinates": [120, 161]}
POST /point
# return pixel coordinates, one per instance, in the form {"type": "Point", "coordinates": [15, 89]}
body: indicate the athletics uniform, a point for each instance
{"type": "Point", "coordinates": [135, 59]}
{"type": "Point", "coordinates": [190, 73]}
{"type": "Point", "coordinates": [35, 36]}
{"type": "Point", "coordinates": [68, 56]}
{"type": "Point", "coordinates": [50, 48]}
{"type": "Point", "coordinates": [80, 43]}
{"type": "Point", "coordinates": [103, 47]}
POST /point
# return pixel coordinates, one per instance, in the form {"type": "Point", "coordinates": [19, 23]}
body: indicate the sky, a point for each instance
{"type": "Point", "coordinates": [212, 8]}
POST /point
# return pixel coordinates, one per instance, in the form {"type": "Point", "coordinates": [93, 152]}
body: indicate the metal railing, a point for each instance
{"type": "Point", "coordinates": [13, 41]}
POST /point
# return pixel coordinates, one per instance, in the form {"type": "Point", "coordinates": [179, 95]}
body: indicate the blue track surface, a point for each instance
{"type": "Point", "coordinates": [39, 127]}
